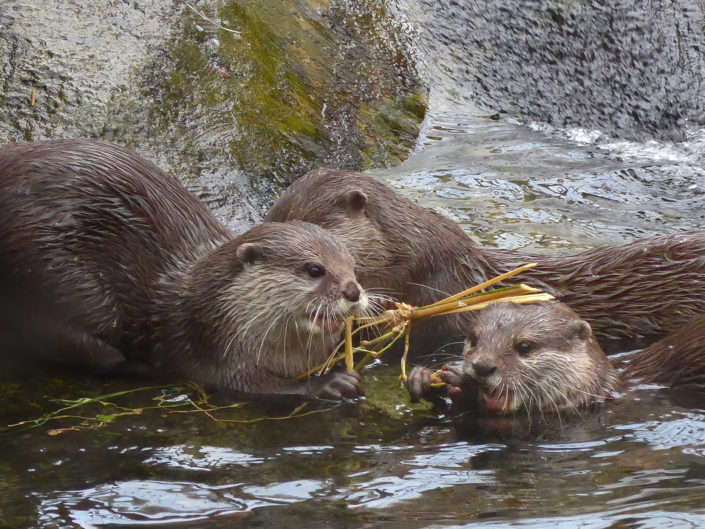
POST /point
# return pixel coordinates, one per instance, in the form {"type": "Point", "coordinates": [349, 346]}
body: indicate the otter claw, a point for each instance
{"type": "Point", "coordinates": [418, 383]}
{"type": "Point", "coordinates": [340, 385]}
{"type": "Point", "coordinates": [452, 375]}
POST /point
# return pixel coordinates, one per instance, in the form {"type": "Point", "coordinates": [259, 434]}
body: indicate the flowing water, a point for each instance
{"type": "Point", "coordinates": [529, 142]}
{"type": "Point", "coordinates": [550, 128]}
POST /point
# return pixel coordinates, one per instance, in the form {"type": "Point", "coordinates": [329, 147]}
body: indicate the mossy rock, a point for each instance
{"type": "Point", "coordinates": [305, 83]}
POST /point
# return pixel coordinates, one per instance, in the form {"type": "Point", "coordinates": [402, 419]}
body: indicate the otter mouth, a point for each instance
{"type": "Point", "coordinates": [499, 401]}
{"type": "Point", "coordinates": [325, 324]}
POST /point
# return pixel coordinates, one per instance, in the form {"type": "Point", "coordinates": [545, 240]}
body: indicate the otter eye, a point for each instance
{"type": "Point", "coordinates": [524, 347]}
{"type": "Point", "coordinates": [315, 270]}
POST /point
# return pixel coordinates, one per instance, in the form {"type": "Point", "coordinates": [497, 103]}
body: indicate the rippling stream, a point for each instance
{"type": "Point", "coordinates": [546, 169]}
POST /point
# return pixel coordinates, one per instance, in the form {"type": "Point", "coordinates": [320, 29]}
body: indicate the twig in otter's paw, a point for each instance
{"type": "Point", "coordinates": [349, 362]}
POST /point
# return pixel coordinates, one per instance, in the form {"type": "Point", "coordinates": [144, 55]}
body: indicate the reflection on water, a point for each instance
{"type": "Point", "coordinates": [200, 458]}
{"type": "Point", "coordinates": [636, 462]}
{"type": "Point", "coordinates": [137, 501]}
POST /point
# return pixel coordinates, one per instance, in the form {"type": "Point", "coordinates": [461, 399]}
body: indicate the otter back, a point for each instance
{"type": "Point", "coordinates": [85, 228]}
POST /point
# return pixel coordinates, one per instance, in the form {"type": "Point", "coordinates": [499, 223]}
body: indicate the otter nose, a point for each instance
{"type": "Point", "coordinates": [483, 369]}
{"type": "Point", "coordinates": [351, 292]}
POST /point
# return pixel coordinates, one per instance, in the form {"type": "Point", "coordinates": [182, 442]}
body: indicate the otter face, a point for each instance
{"type": "Point", "coordinates": [298, 281]}
{"type": "Point", "coordinates": [537, 357]}
{"type": "Point", "coordinates": [337, 296]}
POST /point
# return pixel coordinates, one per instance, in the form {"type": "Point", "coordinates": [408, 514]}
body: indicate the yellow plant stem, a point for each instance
{"type": "Point", "coordinates": [527, 298]}
{"type": "Point", "coordinates": [349, 362]}
{"type": "Point", "coordinates": [467, 303]}
{"type": "Point", "coordinates": [436, 381]}
{"type": "Point", "coordinates": [371, 355]}
{"type": "Point", "coordinates": [484, 285]}
{"type": "Point", "coordinates": [406, 353]}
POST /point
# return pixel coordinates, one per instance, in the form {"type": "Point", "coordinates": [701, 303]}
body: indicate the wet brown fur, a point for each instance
{"type": "Point", "coordinates": [106, 260]}
{"type": "Point", "coordinates": [631, 295]}
{"type": "Point", "coordinates": [676, 361]}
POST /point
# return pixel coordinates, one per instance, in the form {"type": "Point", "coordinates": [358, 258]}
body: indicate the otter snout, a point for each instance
{"type": "Point", "coordinates": [483, 369]}
{"type": "Point", "coordinates": [352, 291]}
{"type": "Point", "coordinates": [355, 297]}
{"type": "Point", "coordinates": [482, 366]}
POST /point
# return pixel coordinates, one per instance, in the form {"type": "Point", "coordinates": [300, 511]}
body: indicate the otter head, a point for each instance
{"type": "Point", "coordinates": [278, 293]}
{"type": "Point", "coordinates": [536, 357]}
{"type": "Point", "coordinates": [353, 207]}
{"type": "Point", "coordinates": [303, 272]}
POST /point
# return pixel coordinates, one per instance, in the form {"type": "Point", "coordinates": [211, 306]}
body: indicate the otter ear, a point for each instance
{"type": "Point", "coordinates": [582, 330]}
{"type": "Point", "coordinates": [249, 252]}
{"type": "Point", "coordinates": [354, 201]}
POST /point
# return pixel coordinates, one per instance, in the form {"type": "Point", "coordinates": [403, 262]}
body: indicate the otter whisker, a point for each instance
{"type": "Point", "coordinates": [308, 305]}
{"type": "Point", "coordinates": [427, 287]}
{"type": "Point", "coordinates": [298, 333]}
{"type": "Point", "coordinates": [375, 305]}
{"type": "Point", "coordinates": [543, 388]}
{"type": "Point", "coordinates": [283, 332]}
{"type": "Point", "coordinates": [533, 398]}
{"type": "Point", "coordinates": [566, 401]}
{"type": "Point", "coordinates": [448, 355]}
{"type": "Point", "coordinates": [583, 391]}
{"type": "Point", "coordinates": [242, 332]}
{"type": "Point", "coordinates": [382, 292]}
{"type": "Point", "coordinates": [265, 337]}
{"type": "Point", "coordinates": [314, 317]}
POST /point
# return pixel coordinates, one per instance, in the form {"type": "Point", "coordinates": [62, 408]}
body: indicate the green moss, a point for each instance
{"type": "Point", "coordinates": [308, 83]}
{"type": "Point", "coordinates": [389, 127]}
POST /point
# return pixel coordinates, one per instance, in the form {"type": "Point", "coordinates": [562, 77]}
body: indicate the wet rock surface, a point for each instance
{"type": "Point", "coordinates": [236, 98]}
{"type": "Point", "coordinates": [64, 62]}
{"type": "Point", "coordinates": [631, 69]}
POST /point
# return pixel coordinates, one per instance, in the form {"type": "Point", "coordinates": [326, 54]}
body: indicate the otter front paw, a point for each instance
{"type": "Point", "coordinates": [461, 391]}
{"type": "Point", "coordinates": [337, 385]}
{"type": "Point", "coordinates": [452, 375]}
{"type": "Point", "coordinates": [418, 383]}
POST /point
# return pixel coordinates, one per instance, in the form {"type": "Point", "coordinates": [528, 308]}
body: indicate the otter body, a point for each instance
{"type": "Point", "coordinates": [631, 294]}
{"type": "Point", "coordinates": [544, 358]}
{"type": "Point", "coordinates": [105, 260]}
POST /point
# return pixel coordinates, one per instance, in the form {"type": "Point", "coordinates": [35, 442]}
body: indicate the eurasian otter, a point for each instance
{"type": "Point", "coordinates": [543, 358]}
{"type": "Point", "coordinates": [631, 294]}
{"type": "Point", "coordinates": [106, 260]}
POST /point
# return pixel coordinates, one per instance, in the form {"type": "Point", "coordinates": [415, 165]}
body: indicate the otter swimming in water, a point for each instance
{"type": "Point", "coordinates": [631, 294]}
{"type": "Point", "coordinates": [543, 357]}
{"type": "Point", "coordinates": [107, 261]}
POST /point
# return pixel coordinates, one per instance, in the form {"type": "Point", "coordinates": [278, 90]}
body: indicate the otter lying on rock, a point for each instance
{"type": "Point", "coordinates": [543, 358]}
{"type": "Point", "coordinates": [107, 261]}
{"type": "Point", "coordinates": [631, 295]}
